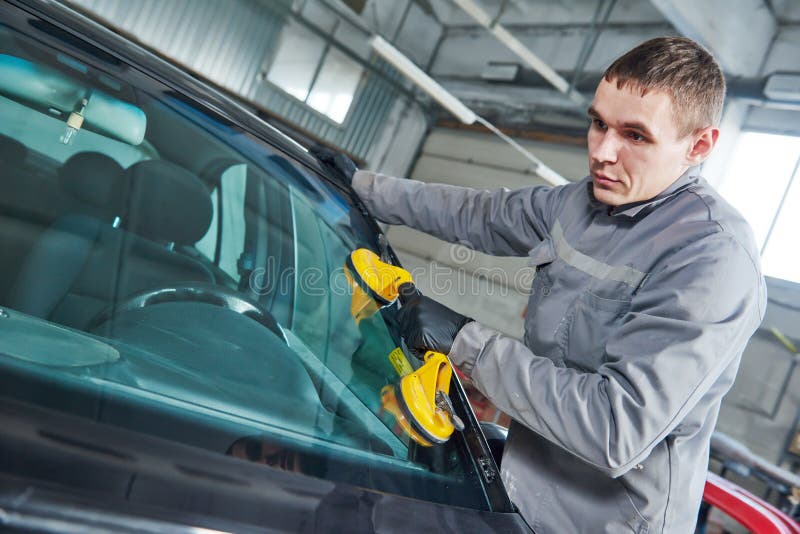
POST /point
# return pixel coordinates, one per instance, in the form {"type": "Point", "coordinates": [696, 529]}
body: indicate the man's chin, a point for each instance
{"type": "Point", "coordinates": [606, 196]}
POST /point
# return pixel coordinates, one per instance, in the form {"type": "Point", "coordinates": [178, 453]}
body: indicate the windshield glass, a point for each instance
{"type": "Point", "coordinates": [167, 272]}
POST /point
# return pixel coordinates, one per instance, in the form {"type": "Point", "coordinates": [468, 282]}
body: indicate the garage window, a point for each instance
{"type": "Point", "coordinates": [762, 183]}
{"type": "Point", "coordinates": [296, 61]}
{"type": "Point", "coordinates": [307, 68]}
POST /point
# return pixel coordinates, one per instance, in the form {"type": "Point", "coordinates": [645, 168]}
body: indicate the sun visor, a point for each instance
{"type": "Point", "coordinates": [54, 93]}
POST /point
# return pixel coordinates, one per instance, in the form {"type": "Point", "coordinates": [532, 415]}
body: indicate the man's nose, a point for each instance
{"type": "Point", "coordinates": [606, 149]}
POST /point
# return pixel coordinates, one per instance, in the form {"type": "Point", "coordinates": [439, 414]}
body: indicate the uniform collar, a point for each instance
{"type": "Point", "coordinates": [635, 208]}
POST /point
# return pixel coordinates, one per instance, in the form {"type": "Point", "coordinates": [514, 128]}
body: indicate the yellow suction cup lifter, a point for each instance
{"type": "Point", "coordinates": [374, 282]}
{"type": "Point", "coordinates": [378, 279]}
{"type": "Point", "coordinates": [362, 305]}
{"type": "Point", "coordinates": [420, 401]}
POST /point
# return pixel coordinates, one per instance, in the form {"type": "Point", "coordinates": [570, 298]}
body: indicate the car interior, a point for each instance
{"type": "Point", "coordinates": [143, 229]}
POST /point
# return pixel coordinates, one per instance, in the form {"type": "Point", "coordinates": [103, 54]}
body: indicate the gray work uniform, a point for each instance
{"type": "Point", "coordinates": [636, 324]}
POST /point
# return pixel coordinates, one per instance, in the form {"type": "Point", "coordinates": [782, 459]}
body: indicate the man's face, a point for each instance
{"type": "Point", "coordinates": [635, 151]}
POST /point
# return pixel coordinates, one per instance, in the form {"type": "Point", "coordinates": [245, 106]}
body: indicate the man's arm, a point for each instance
{"type": "Point", "coordinates": [687, 324]}
{"type": "Point", "coordinates": [499, 222]}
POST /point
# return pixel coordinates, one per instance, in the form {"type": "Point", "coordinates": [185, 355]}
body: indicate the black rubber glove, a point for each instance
{"type": "Point", "coordinates": [428, 325]}
{"type": "Point", "coordinates": [340, 166]}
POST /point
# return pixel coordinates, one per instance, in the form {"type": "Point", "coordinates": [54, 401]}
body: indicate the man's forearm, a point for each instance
{"type": "Point", "coordinates": [499, 222]}
{"type": "Point", "coordinates": [610, 418]}
{"type": "Point", "coordinates": [552, 401]}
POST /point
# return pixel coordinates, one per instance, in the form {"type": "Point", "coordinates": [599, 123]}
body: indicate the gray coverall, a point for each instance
{"type": "Point", "coordinates": [636, 324]}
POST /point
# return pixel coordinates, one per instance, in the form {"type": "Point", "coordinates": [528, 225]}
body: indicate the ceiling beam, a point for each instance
{"type": "Point", "coordinates": [521, 108]}
{"type": "Point", "coordinates": [519, 49]}
{"type": "Point", "coordinates": [524, 28]}
{"type": "Point", "coordinates": [510, 95]}
{"type": "Point", "coordinates": [531, 133]}
{"type": "Point", "coordinates": [516, 104]}
{"type": "Point", "coordinates": [528, 91]}
{"type": "Point", "coordinates": [738, 32]}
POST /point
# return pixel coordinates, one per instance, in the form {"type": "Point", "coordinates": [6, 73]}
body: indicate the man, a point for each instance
{"type": "Point", "coordinates": [648, 287]}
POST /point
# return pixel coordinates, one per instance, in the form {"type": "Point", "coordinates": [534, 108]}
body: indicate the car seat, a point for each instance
{"type": "Point", "coordinates": [92, 184]}
{"type": "Point", "coordinates": [84, 262]}
{"type": "Point", "coordinates": [13, 157]}
{"type": "Point", "coordinates": [15, 238]}
{"type": "Point", "coordinates": [12, 153]}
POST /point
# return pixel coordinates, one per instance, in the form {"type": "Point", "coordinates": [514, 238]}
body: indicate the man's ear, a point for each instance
{"type": "Point", "coordinates": [703, 142]}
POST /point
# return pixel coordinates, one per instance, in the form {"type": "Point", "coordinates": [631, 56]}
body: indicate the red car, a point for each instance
{"type": "Point", "coordinates": [752, 512]}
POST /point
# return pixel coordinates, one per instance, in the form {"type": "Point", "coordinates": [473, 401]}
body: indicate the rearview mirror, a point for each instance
{"type": "Point", "coordinates": [56, 94]}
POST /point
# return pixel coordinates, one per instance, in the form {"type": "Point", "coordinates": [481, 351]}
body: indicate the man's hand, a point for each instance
{"type": "Point", "coordinates": [428, 325]}
{"type": "Point", "coordinates": [340, 165]}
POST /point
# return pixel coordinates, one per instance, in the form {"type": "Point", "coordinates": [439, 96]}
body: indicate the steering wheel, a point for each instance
{"type": "Point", "coordinates": [191, 292]}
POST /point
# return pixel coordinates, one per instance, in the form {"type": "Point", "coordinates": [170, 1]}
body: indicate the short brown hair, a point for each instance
{"type": "Point", "coordinates": [682, 68]}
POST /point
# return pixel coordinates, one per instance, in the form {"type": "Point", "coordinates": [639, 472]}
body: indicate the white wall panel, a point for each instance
{"type": "Point", "coordinates": [492, 305]}
{"type": "Point", "coordinates": [492, 290]}
{"type": "Point", "coordinates": [484, 150]}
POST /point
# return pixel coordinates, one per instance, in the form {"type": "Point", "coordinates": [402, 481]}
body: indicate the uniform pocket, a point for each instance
{"type": "Point", "coordinates": [540, 257]}
{"type": "Point", "coordinates": [592, 320]}
{"type": "Point", "coordinates": [542, 253]}
{"type": "Point", "coordinates": [633, 517]}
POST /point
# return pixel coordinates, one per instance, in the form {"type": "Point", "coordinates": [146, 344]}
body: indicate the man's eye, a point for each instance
{"type": "Point", "coordinates": [599, 124]}
{"type": "Point", "coordinates": [636, 137]}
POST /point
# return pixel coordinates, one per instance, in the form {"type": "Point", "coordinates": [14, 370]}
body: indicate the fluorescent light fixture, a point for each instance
{"type": "Point", "coordinates": [423, 81]}
{"type": "Point", "coordinates": [500, 72]}
{"type": "Point", "coordinates": [518, 47]}
{"type": "Point", "coordinates": [545, 172]}
{"type": "Point", "coordinates": [452, 104]}
{"type": "Point", "coordinates": [783, 86]}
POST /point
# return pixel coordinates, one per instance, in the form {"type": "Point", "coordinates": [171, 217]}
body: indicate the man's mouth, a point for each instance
{"type": "Point", "coordinates": [602, 179]}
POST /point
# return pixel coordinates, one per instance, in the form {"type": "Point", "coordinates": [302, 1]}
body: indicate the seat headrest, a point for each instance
{"type": "Point", "coordinates": [95, 179]}
{"type": "Point", "coordinates": [11, 150]}
{"type": "Point", "coordinates": [167, 203]}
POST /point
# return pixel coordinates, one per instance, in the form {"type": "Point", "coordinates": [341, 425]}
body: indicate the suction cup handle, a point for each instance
{"type": "Point", "coordinates": [407, 293]}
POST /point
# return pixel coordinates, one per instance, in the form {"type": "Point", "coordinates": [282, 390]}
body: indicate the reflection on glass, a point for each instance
{"type": "Point", "coordinates": [209, 263]}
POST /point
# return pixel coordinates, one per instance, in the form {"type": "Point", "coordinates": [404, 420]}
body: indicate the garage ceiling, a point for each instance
{"type": "Point", "coordinates": [574, 39]}
{"type": "Point", "coordinates": [578, 39]}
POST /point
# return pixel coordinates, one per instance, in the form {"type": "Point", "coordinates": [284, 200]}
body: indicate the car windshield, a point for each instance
{"type": "Point", "coordinates": [170, 273]}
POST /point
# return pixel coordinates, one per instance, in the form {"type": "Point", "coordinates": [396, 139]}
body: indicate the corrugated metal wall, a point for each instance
{"type": "Point", "coordinates": [232, 42]}
{"type": "Point", "coordinates": [225, 41]}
